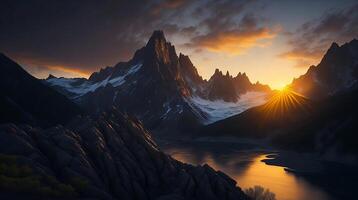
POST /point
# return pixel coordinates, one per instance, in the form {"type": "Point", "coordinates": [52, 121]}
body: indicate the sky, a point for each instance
{"type": "Point", "coordinates": [272, 41]}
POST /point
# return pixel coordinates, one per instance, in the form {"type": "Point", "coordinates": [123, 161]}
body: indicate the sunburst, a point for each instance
{"type": "Point", "coordinates": [285, 102]}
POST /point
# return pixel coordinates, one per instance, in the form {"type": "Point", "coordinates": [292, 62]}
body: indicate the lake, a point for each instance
{"type": "Point", "coordinates": [242, 161]}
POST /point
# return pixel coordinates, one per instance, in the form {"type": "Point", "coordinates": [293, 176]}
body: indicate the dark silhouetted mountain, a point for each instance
{"type": "Point", "coordinates": [25, 99]}
{"type": "Point", "coordinates": [160, 88]}
{"type": "Point", "coordinates": [337, 72]}
{"type": "Point", "coordinates": [109, 157]}
{"type": "Point", "coordinates": [222, 87]}
{"type": "Point", "coordinates": [243, 84]}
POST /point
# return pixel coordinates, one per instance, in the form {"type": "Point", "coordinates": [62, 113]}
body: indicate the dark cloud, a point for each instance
{"type": "Point", "coordinates": [312, 39]}
{"type": "Point", "coordinates": [77, 34]}
{"type": "Point", "coordinates": [84, 35]}
{"type": "Point", "coordinates": [81, 34]}
{"type": "Point", "coordinates": [169, 4]}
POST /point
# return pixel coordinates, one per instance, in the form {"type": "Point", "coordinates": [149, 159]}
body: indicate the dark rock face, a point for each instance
{"type": "Point", "coordinates": [337, 72]}
{"type": "Point", "coordinates": [24, 98]}
{"type": "Point", "coordinates": [116, 159]}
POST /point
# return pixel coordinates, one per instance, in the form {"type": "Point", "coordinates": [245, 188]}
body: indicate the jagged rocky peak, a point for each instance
{"type": "Point", "coordinates": [242, 75]}
{"type": "Point", "coordinates": [217, 73]}
{"type": "Point", "coordinates": [221, 87]}
{"type": "Point", "coordinates": [188, 70]}
{"type": "Point", "coordinates": [334, 46]}
{"type": "Point", "coordinates": [101, 75]}
{"type": "Point", "coordinates": [242, 83]}
{"type": "Point", "coordinates": [159, 47]}
{"type": "Point", "coordinates": [227, 74]}
{"type": "Point", "coordinates": [50, 76]}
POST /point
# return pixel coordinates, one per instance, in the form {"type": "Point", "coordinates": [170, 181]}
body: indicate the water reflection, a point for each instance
{"type": "Point", "coordinates": [243, 163]}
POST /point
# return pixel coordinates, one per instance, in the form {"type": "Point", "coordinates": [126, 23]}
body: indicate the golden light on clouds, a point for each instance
{"type": "Point", "coordinates": [59, 71]}
{"type": "Point", "coordinates": [302, 58]}
{"type": "Point", "coordinates": [78, 72]}
{"type": "Point", "coordinates": [236, 43]}
{"type": "Point", "coordinates": [42, 68]}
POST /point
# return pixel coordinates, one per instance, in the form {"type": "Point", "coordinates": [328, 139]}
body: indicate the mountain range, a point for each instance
{"type": "Point", "coordinates": [162, 89]}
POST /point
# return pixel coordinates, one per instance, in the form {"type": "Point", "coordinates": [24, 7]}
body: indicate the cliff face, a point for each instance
{"type": "Point", "coordinates": [114, 157]}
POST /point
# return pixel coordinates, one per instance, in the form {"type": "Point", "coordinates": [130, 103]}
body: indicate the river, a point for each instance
{"type": "Point", "coordinates": [243, 162]}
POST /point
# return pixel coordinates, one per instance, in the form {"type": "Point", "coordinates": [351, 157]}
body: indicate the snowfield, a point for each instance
{"type": "Point", "coordinates": [87, 86]}
{"type": "Point", "coordinates": [218, 110]}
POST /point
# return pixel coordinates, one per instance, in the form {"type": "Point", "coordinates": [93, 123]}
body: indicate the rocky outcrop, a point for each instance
{"type": "Point", "coordinates": [115, 158]}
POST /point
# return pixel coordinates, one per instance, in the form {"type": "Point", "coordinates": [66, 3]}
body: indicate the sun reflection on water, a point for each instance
{"type": "Point", "coordinates": [248, 170]}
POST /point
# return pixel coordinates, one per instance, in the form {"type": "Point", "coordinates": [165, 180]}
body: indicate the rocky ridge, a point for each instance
{"type": "Point", "coordinates": [115, 158]}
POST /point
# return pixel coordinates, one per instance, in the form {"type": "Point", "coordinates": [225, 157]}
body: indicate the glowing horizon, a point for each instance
{"type": "Point", "coordinates": [271, 41]}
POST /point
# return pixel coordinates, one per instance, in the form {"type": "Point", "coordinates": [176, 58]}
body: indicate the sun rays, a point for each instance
{"type": "Point", "coordinates": [285, 102]}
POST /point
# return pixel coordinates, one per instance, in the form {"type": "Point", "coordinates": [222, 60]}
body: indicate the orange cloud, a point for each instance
{"type": "Point", "coordinates": [42, 68]}
{"type": "Point", "coordinates": [303, 58]}
{"type": "Point", "coordinates": [235, 42]}
{"type": "Point", "coordinates": [59, 71]}
{"type": "Point", "coordinates": [65, 70]}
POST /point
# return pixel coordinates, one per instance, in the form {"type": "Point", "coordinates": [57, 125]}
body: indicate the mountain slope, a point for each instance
{"type": "Point", "coordinates": [283, 109]}
{"type": "Point", "coordinates": [159, 87]}
{"type": "Point", "coordinates": [24, 98]}
{"type": "Point", "coordinates": [337, 72]}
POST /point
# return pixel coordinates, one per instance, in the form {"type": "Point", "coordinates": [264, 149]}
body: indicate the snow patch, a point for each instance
{"type": "Point", "coordinates": [219, 109]}
{"type": "Point", "coordinates": [87, 86]}
{"type": "Point", "coordinates": [117, 81]}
